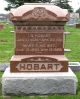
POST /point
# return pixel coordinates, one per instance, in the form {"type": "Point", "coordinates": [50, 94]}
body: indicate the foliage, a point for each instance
{"type": "Point", "coordinates": [61, 3]}
{"type": "Point", "coordinates": [64, 4]}
{"type": "Point", "coordinates": [78, 11]}
{"type": "Point", "coordinates": [17, 3]}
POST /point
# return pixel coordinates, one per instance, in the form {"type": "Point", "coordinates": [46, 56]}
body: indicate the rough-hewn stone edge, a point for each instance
{"type": "Point", "coordinates": [39, 83]}
{"type": "Point", "coordinates": [75, 66]}
{"type": "Point", "coordinates": [67, 50]}
{"type": "Point", "coordinates": [3, 66]}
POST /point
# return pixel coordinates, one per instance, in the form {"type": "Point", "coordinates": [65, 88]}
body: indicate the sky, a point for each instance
{"type": "Point", "coordinates": [74, 3]}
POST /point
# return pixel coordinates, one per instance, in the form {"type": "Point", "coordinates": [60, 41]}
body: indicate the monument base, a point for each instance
{"type": "Point", "coordinates": [41, 83]}
{"type": "Point", "coordinates": [38, 63]}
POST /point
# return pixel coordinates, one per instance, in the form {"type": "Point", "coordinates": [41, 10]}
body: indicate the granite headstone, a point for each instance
{"type": "Point", "coordinates": [39, 44]}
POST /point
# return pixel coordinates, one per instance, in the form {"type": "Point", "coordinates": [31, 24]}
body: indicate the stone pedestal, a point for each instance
{"type": "Point", "coordinates": [42, 83]}
{"type": "Point", "coordinates": [38, 63]}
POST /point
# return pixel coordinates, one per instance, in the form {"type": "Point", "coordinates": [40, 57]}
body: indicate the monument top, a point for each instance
{"type": "Point", "coordinates": [39, 8]}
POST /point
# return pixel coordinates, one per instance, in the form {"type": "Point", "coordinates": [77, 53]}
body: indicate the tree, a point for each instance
{"type": "Point", "coordinates": [17, 3]}
{"type": "Point", "coordinates": [63, 4]}
{"type": "Point", "coordinates": [78, 11]}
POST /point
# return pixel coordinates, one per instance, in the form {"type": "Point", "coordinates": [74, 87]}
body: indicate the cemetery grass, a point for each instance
{"type": "Point", "coordinates": [7, 50]}
{"type": "Point", "coordinates": [72, 42]}
{"type": "Point", "coordinates": [6, 43]}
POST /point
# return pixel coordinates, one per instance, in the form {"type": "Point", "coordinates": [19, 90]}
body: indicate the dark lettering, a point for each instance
{"type": "Point", "coordinates": [56, 66]}
{"type": "Point", "coordinates": [29, 66]}
{"type": "Point", "coordinates": [43, 67]}
{"type": "Point", "coordinates": [36, 66]}
{"type": "Point", "coordinates": [50, 66]}
{"type": "Point", "coordinates": [22, 66]}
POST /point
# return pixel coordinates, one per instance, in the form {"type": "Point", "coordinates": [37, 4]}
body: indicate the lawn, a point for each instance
{"type": "Point", "coordinates": [6, 43]}
{"type": "Point", "coordinates": [72, 42]}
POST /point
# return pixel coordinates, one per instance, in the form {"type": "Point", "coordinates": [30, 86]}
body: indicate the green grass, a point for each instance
{"type": "Point", "coordinates": [1, 73]}
{"type": "Point", "coordinates": [6, 43]}
{"type": "Point", "coordinates": [73, 42]}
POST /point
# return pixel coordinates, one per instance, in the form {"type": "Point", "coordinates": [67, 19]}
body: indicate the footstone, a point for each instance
{"type": "Point", "coordinates": [75, 66]}
{"type": "Point", "coordinates": [3, 66]}
{"type": "Point", "coordinates": [67, 50]}
{"type": "Point", "coordinates": [42, 83]}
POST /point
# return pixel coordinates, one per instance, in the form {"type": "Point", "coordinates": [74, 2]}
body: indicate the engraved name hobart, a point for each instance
{"type": "Point", "coordinates": [39, 67]}
{"type": "Point", "coordinates": [39, 39]}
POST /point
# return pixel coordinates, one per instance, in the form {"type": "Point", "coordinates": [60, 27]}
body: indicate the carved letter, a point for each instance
{"type": "Point", "coordinates": [50, 66]}
{"type": "Point", "coordinates": [29, 66]}
{"type": "Point", "coordinates": [43, 67]}
{"type": "Point", "coordinates": [36, 66]}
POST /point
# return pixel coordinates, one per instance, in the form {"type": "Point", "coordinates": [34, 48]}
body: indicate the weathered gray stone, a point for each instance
{"type": "Point", "coordinates": [38, 83]}
{"type": "Point", "coordinates": [75, 66]}
{"type": "Point", "coordinates": [3, 66]}
{"type": "Point", "coordinates": [12, 31]}
{"type": "Point", "coordinates": [66, 33]}
{"type": "Point", "coordinates": [67, 50]}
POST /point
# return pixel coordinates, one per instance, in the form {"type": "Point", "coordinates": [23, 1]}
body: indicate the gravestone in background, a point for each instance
{"type": "Point", "coordinates": [78, 25]}
{"type": "Point", "coordinates": [39, 65]}
{"type": "Point", "coordinates": [1, 26]}
{"type": "Point", "coordinates": [74, 19]}
{"type": "Point", "coordinates": [39, 44]}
